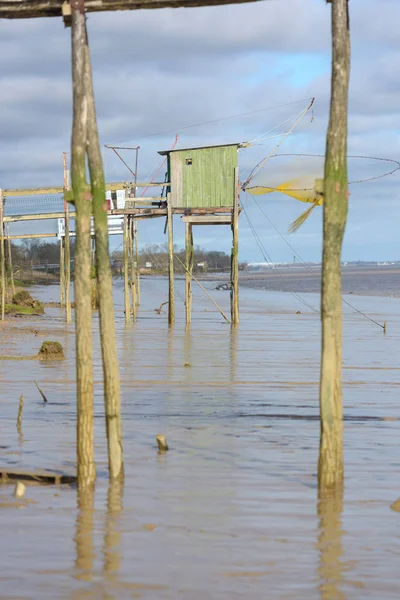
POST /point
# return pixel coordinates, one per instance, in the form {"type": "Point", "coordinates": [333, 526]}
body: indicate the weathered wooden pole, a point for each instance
{"type": "Point", "coordinates": [235, 257]}
{"type": "Point", "coordinates": [2, 258]}
{"type": "Point", "coordinates": [126, 270]}
{"type": "Point", "coordinates": [10, 263]}
{"type": "Point", "coordinates": [67, 257]}
{"type": "Point", "coordinates": [112, 401]}
{"type": "Point", "coordinates": [131, 234]}
{"type": "Point", "coordinates": [330, 472]}
{"type": "Point", "coordinates": [137, 262]}
{"type": "Point", "coordinates": [83, 310]}
{"type": "Point", "coordinates": [189, 272]}
{"type": "Point", "coordinates": [67, 246]}
{"type": "Point", "coordinates": [62, 273]}
{"type": "Point", "coordinates": [171, 288]}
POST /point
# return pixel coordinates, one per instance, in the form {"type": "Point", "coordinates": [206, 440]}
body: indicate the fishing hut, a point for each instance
{"type": "Point", "coordinates": [203, 184]}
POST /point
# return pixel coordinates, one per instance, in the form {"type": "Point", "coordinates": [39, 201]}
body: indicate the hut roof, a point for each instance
{"type": "Point", "coordinates": [238, 145]}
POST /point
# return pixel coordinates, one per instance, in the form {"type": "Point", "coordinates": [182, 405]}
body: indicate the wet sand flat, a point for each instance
{"type": "Point", "coordinates": [371, 280]}
{"type": "Point", "coordinates": [232, 510]}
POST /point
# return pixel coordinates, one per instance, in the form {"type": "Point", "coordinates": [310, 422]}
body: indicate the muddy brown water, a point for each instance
{"type": "Point", "coordinates": [232, 510]}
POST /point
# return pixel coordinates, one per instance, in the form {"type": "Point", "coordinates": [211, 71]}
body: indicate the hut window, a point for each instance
{"type": "Point", "coordinates": [189, 161]}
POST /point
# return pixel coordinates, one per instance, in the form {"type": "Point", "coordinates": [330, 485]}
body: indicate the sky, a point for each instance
{"type": "Point", "coordinates": [168, 70]}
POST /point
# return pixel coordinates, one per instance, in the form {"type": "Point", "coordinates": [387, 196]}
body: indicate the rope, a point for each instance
{"type": "Point", "coordinates": [269, 261]}
{"type": "Point", "coordinates": [246, 114]}
{"type": "Point", "coordinates": [204, 290]}
{"type": "Point", "coordinates": [356, 181]}
{"type": "Point", "coordinates": [262, 163]}
{"type": "Point", "coordinates": [308, 267]}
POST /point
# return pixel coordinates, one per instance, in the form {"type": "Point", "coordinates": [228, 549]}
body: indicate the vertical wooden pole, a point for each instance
{"type": "Point", "coordinates": [112, 399]}
{"type": "Point", "coordinates": [189, 272]}
{"type": "Point", "coordinates": [126, 270]}
{"type": "Point", "coordinates": [235, 257]}
{"type": "Point", "coordinates": [2, 258]}
{"type": "Point", "coordinates": [67, 247]}
{"type": "Point", "coordinates": [9, 251]}
{"type": "Point", "coordinates": [67, 257]}
{"type": "Point", "coordinates": [171, 288]}
{"type": "Point", "coordinates": [137, 263]}
{"type": "Point", "coordinates": [62, 273]}
{"type": "Point", "coordinates": [133, 270]}
{"type": "Point", "coordinates": [330, 467]}
{"type": "Point", "coordinates": [83, 310]}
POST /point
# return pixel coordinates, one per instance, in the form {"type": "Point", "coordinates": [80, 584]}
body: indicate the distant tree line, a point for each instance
{"type": "Point", "coordinates": [154, 257]}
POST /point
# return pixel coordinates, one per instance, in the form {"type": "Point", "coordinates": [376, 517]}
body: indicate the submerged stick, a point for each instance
{"type": "Point", "coordinates": [21, 407]}
{"type": "Point", "coordinates": [40, 392]}
{"type": "Point", "coordinates": [162, 443]}
{"type": "Point", "coordinates": [19, 490]}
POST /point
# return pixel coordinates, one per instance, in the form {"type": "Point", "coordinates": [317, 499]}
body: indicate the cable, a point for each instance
{"type": "Point", "coordinates": [308, 267]}
{"type": "Point", "coordinates": [246, 114]}
{"type": "Point", "coordinates": [269, 261]}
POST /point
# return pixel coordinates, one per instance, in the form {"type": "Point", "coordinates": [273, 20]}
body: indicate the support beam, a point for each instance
{"type": "Point", "coordinates": [126, 271]}
{"type": "Point", "coordinates": [137, 262]}
{"type": "Point", "coordinates": [32, 236]}
{"type": "Point", "coordinates": [189, 272]}
{"type": "Point", "coordinates": [62, 274]}
{"type": "Point", "coordinates": [30, 9]}
{"type": "Point", "coordinates": [235, 257]}
{"type": "Point", "coordinates": [2, 258]}
{"type": "Point", "coordinates": [133, 270]}
{"type": "Point", "coordinates": [10, 265]}
{"type": "Point", "coordinates": [67, 256]}
{"type": "Point", "coordinates": [208, 219]}
{"type": "Point", "coordinates": [171, 287]}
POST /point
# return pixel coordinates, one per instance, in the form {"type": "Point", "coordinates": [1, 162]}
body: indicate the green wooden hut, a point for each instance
{"type": "Point", "coordinates": [202, 177]}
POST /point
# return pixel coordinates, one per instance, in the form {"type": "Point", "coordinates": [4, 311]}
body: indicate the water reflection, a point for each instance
{"type": "Point", "coordinates": [112, 533]}
{"type": "Point", "coordinates": [84, 545]}
{"type": "Point", "coordinates": [330, 544]}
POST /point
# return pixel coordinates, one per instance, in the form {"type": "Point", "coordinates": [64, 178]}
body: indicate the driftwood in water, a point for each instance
{"type": "Point", "coordinates": [330, 472]}
{"type": "Point", "coordinates": [20, 409]}
{"type": "Point", "coordinates": [162, 443]}
{"type": "Point", "coordinates": [39, 476]}
{"type": "Point", "coordinates": [41, 393]}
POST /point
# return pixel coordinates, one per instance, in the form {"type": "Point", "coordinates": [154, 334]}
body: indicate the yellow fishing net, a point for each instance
{"type": "Point", "coordinates": [304, 189]}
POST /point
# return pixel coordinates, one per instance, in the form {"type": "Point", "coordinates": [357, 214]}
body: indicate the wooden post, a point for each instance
{"type": "Point", "coordinates": [67, 256]}
{"type": "Point", "coordinates": [86, 471]}
{"type": "Point", "coordinates": [62, 273]}
{"type": "Point", "coordinates": [235, 257]}
{"type": "Point", "coordinates": [171, 289]}
{"type": "Point", "coordinates": [189, 272]}
{"type": "Point", "coordinates": [126, 271]}
{"type": "Point", "coordinates": [112, 401]}
{"type": "Point", "coordinates": [137, 262]}
{"type": "Point", "coordinates": [67, 248]}
{"type": "Point", "coordinates": [133, 270]}
{"type": "Point", "coordinates": [9, 251]}
{"type": "Point", "coordinates": [2, 258]}
{"type": "Point", "coordinates": [330, 468]}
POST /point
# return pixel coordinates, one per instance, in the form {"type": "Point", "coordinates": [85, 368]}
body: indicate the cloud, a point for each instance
{"type": "Point", "coordinates": [167, 69]}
